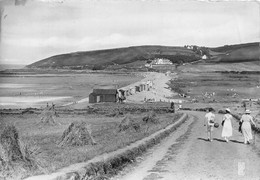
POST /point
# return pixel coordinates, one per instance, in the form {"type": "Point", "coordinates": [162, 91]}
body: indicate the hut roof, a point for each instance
{"type": "Point", "coordinates": [104, 91]}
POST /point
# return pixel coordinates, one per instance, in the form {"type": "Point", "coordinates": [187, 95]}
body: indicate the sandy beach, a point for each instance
{"type": "Point", "coordinates": [159, 91]}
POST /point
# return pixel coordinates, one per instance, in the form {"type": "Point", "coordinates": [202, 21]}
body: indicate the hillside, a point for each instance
{"type": "Point", "coordinates": [235, 53]}
{"type": "Point", "coordinates": [227, 48]}
{"type": "Point", "coordinates": [103, 58]}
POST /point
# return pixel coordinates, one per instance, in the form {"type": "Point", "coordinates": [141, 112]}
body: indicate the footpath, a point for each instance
{"type": "Point", "coordinates": [192, 156]}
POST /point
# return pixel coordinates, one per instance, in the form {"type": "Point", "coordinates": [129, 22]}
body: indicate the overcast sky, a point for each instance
{"type": "Point", "coordinates": [42, 28]}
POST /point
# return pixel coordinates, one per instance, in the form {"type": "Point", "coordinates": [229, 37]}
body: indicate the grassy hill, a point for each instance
{"type": "Point", "coordinates": [236, 53]}
{"type": "Point", "coordinates": [228, 48]}
{"type": "Point", "coordinates": [103, 58]}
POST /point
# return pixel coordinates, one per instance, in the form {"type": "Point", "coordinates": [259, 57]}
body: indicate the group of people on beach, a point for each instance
{"type": "Point", "coordinates": [227, 130]}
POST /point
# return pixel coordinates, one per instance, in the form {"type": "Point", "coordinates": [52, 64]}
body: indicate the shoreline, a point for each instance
{"type": "Point", "coordinates": [20, 92]}
{"type": "Point", "coordinates": [160, 92]}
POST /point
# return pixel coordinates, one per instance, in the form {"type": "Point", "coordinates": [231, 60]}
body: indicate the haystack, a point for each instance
{"type": "Point", "coordinates": [77, 134]}
{"type": "Point", "coordinates": [10, 147]}
{"type": "Point", "coordinates": [47, 117]}
{"type": "Point", "coordinates": [128, 123]}
{"type": "Point", "coordinates": [151, 118]}
{"type": "Point", "coordinates": [16, 157]}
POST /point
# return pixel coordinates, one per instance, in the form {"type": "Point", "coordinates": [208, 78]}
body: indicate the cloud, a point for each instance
{"type": "Point", "coordinates": [43, 27]}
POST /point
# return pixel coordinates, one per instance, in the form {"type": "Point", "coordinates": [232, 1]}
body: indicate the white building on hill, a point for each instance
{"type": "Point", "coordinates": [161, 61]}
{"type": "Point", "coordinates": [204, 57]}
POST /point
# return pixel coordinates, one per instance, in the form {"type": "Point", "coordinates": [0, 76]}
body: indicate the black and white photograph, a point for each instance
{"type": "Point", "coordinates": [129, 90]}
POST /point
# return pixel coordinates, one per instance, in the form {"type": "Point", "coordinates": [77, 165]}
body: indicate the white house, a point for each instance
{"type": "Point", "coordinates": [161, 61]}
{"type": "Point", "coordinates": [204, 57]}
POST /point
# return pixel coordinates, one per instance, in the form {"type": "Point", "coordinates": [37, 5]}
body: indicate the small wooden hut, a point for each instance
{"type": "Point", "coordinates": [103, 95]}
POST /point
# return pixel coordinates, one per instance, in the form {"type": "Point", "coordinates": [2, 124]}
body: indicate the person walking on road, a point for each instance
{"type": "Point", "coordinates": [227, 125]}
{"type": "Point", "coordinates": [246, 121]}
{"type": "Point", "coordinates": [209, 123]}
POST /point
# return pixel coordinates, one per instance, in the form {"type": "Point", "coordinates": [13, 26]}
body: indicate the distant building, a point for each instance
{"type": "Point", "coordinates": [189, 47]}
{"type": "Point", "coordinates": [137, 88]}
{"type": "Point", "coordinates": [204, 57]}
{"type": "Point", "coordinates": [161, 61]}
{"type": "Point", "coordinates": [148, 65]}
{"type": "Point", "coordinates": [103, 95]}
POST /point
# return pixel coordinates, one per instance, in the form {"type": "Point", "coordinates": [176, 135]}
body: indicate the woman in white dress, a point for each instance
{"type": "Point", "coordinates": [246, 120]}
{"type": "Point", "coordinates": [227, 125]}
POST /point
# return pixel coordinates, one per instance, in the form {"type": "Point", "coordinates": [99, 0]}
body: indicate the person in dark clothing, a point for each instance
{"type": "Point", "coordinates": [172, 106]}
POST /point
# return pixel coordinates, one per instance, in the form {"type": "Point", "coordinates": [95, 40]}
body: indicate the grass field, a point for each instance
{"type": "Point", "coordinates": [205, 85]}
{"type": "Point", "coordinates": [220, 90]}
{"type": "Point", "coordinates": [104, 130]}
{"type": "Point", "coordinates": [225, 86]}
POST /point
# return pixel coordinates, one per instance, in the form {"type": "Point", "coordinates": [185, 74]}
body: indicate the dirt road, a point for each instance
{"type": "Point", "coordinates": [186, 154]}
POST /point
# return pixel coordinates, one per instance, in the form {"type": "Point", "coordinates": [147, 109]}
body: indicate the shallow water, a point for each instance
{"type": "Point", "coordinates": [35, 90]}
{"type": "Point", "coordinates": [10, 85]}
{"type": "Point", "coordinates": [30, 101]}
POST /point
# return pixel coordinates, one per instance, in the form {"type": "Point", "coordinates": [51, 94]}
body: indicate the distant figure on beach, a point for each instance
{"type": "Point", "coordinates": [209, 123]}
{"type": "Point", "coordinates": [172, 106]}
{"type": "Point", "coordinates": [180, 106]}
{"type": "Point", "coordinates": [244, 104]}
{"type": "Point", "coordinates": [227, 125]}
{"type": "Point", "coordinates": [52, 105]}
{"type": "Point", "coordinates": [121, 95]}
{"type": "Point", "coordinates": [47, 105]}
{"type": "Point", "coordinates": [246, 121]}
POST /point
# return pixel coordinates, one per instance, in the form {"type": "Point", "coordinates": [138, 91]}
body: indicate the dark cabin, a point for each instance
{"type": "Point", "coordinates": [137, 88]}
{"type": "Point", "coordinates": [103, 95]}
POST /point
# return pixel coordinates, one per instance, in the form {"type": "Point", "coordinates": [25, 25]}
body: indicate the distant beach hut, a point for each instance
{"type": "Point", "coordinates": [142, 87]}
{"type": "Point", "coordinates": [132, 90]}
{"type": "Point", "coordinates": [137, 88]}
{"type": "Point", "coordinates": [103, 95]}
{"type": "Point", "coordinates": [127, 92]}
